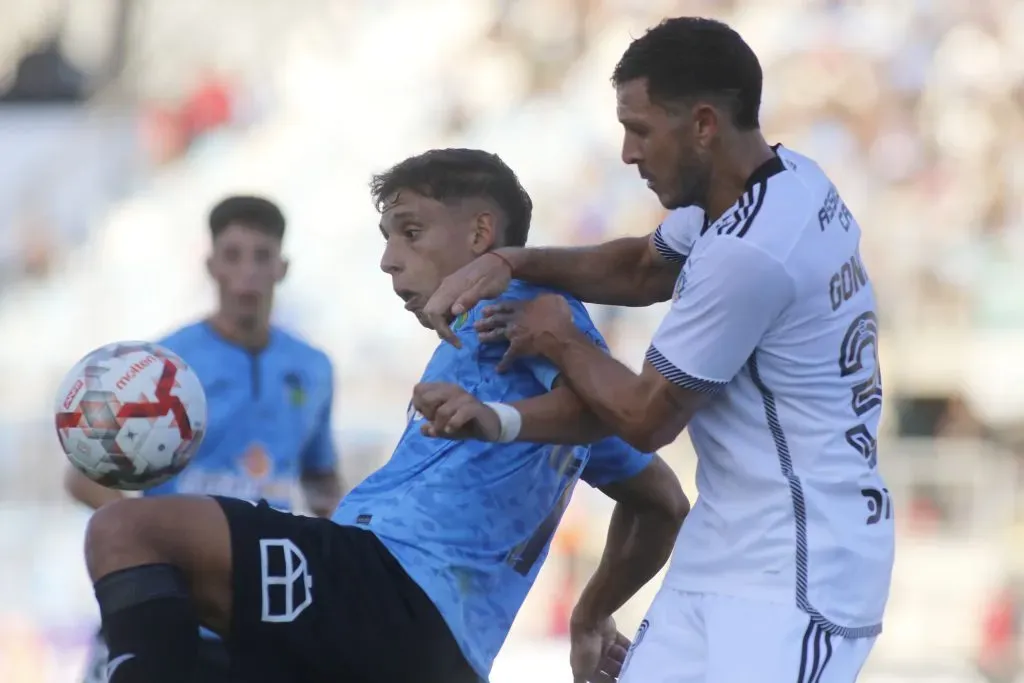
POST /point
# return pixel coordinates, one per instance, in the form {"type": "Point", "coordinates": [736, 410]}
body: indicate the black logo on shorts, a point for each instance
{"type": "Point", "coordinates": [364, 519]}
{"type": "Point", "coordinates": [640, 631]}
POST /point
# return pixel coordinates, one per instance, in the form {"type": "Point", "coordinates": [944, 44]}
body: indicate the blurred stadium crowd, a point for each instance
{"type": "Point", "coordinates": [124, 120]}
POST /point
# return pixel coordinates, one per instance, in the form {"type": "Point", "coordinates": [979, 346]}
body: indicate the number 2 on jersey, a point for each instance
{"type": "Point", "coordinates": [857, 353]}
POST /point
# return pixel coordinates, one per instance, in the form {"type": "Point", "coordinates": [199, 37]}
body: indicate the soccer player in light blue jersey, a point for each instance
{"type": "Point", "coordinates": [421, 570]}
{"type": "Point", "coordinates": [269, 393]}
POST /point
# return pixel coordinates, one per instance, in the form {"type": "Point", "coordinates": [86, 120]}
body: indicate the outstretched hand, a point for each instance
{"type": "Point", "coordinates": [452, 413]}
{"type": "Point", "coordinates": [484, 278]}
{"type": "Point", "coordinates": [597, 651]}
{"type": "Point", "coordinates": [532, 328]}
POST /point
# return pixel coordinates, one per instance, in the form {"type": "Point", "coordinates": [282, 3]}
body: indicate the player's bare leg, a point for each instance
{"type": "Point", "coordinates": [160, 567]}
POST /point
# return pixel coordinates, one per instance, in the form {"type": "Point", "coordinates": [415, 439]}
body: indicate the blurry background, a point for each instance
{"type": "Point", "coordinates": [123, 121]}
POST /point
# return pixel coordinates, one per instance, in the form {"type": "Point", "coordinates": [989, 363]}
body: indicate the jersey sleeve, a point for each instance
{"type": "Point", "coordinates": [320, 455]}
{"type": "Point", "coordinates": [728, 297]}
{"type": "Point", "coordinates": [674, 238]}
{"type": "Point", "coordinates": [612, 460]}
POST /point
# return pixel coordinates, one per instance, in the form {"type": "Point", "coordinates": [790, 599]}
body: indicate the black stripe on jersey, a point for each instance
{"type": "Point", "coordinates": [796, 491]}
{"type": "Point", "coordinates": [664, 250]}
{"type": "Point", "coordinates": [680, 378]}
{"type": "Point", "coordinates": [742, 204]}
{"type": "Point", "coordinates": [815, 653]}
{"type": "Point", "coordinates": [753, 200]}
{"type": "Point", "coordinates": [757, 207]}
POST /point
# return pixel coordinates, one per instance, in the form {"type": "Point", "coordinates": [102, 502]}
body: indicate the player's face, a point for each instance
{"type": "Point", "coordinates": [427, 240]}
{"type": "Point", "coordinates": [246, 265]}
{"type": "Point", "coordinates": [666, 146]}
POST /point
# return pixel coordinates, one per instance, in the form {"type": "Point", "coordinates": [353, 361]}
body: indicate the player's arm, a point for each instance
{"type": "Point", "coordinates": [630, 271]}
{"type": "Point", "coordinates": [734, 291]}
{"type": "Point", "coordinates": [559, 417]}
{"type": "Point", "coordinates": [649, 509]}
{"type": "Point", "coordinates": [319, 476]}
{"type": "Point", "coordinates": [87, 492]}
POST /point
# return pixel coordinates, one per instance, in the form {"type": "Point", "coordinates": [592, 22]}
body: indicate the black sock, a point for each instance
{"type": "Point", "coordinates": [149, 624]}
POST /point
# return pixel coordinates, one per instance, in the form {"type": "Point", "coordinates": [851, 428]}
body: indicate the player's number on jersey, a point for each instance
{"type": "Point", "coordinates": [858, 354]}
{"type": "Point", "coordinates": [524, 556]}
{"type": "Point", "coordinates": [859, 351]}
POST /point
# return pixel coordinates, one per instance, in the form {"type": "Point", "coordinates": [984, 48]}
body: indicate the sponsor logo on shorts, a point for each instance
{"type": "Point", "coordinates": [286, 581]}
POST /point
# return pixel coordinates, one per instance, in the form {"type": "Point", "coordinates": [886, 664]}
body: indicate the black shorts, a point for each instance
{"type": "Point", "coordinates": [319, 602]}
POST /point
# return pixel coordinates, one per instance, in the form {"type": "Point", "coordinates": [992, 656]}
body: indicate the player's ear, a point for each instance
{"type": "Point", "coordinates": [705, 123]}
{"type": "Point", "coordinates": [485, 234]}
{"type": "Point", "coordinates": [282, 269]}
{"type": "Point", "coordinates": [210, 268]}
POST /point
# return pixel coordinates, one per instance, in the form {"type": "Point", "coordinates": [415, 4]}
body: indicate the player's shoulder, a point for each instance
{"type": "Point", "coordinates": [187, 337]}
{"type": "Point", "coordinates": [683, 223]}
{"type": "Point", "coordinates": [781, 201]}
{"type": "Point", "coordinates": [524, 291]}
{"type": "Point", "coordinates": [675, 236]}
{"type": "Point", "coordinates": [294, 345]}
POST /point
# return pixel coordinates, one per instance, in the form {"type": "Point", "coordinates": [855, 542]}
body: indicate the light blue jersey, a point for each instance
{"type": "Point", "coordinates": [470, 521]}
{"type": "Point", "coordinates": [268, 421]}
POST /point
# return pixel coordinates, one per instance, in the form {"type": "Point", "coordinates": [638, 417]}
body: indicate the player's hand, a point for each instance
{"type": "Point", "coordinates": [452, 413]}
{"type": "Point", "coordinates": [484, 278]}
{"type": "Point", "coordinates": [596, 651]}
{"type": "Point", "coordinates": [530, 327]}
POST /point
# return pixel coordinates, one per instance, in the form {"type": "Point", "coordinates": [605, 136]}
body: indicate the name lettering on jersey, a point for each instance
{"type": "Point", "coordinates": [847, 281]}
{"type": "Point", "coordinates": [833, 207]}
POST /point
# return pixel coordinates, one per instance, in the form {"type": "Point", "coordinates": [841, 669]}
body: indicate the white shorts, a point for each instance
{"type": "Point", "coordinates": [703, 638]}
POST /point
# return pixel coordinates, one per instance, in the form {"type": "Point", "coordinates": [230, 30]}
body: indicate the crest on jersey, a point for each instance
{"type": "Point", "coordinates": [460, 321]}
{"type": "Point", "coordinates": [680, 285]}
{"type": "Point", "coordinates": [296, 392]}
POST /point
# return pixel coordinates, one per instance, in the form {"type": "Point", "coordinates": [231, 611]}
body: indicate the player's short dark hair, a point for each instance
{"type": "Point", "coordinates": [693, 57]}
{"type": "Point", "coordinates": [454, 174]}
{"type": "Point", "coordinates": [256, 213]}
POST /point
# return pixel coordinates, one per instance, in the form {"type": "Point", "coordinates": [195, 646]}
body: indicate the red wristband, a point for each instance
{"type": "Point", "coordinates": [511, 270]}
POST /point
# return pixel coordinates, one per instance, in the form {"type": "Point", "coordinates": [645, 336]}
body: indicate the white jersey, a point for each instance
{"type": "Point", "coordinates": [774, 315]}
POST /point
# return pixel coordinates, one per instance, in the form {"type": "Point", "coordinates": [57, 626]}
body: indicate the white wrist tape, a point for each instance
{"type": "Point", "coordinates": [510, 419]}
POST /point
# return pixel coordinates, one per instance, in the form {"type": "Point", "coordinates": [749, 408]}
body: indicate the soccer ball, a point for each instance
{"type": "Point", "coordinates": [130, 415]}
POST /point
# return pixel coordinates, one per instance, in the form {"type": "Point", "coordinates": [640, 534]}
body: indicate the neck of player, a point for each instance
{"type": "Point", "coordinates": [741, 154]}
{"type": "Point", "coordinates": [250, 333]}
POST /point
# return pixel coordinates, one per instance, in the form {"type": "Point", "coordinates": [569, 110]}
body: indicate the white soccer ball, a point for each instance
{"type": "Point", "coordinates": [130, 415]}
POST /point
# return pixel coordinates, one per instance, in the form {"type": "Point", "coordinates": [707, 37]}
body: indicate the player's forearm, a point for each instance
{"type": "Point", "coordinates": [322, 491]}
{"type": "Point", "coordinates": [558, 417]}
{"type": "Point", "coordinates": [639, 544]}
{"type": "Point", "coordinates": [88, 492]}
{"type": "Point", "coordinates": [613, 392]}
{"type": "Point", "coordinates": [618, 273]}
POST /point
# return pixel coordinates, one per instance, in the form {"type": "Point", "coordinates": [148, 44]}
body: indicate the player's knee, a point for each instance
{"type": "Point", "coordinates": [120, 535]}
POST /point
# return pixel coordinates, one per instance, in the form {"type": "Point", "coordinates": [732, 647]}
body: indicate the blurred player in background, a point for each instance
{"type": "Point", "coordinates": [423, 567]}
{"type": "Point", "coordinates": [269, 395]}
{"type": "Point", "coordinates": [768, 354]}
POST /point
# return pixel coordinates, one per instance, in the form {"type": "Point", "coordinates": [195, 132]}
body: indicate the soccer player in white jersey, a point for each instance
{"type": "Point", "coordinates": [768, 354]}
